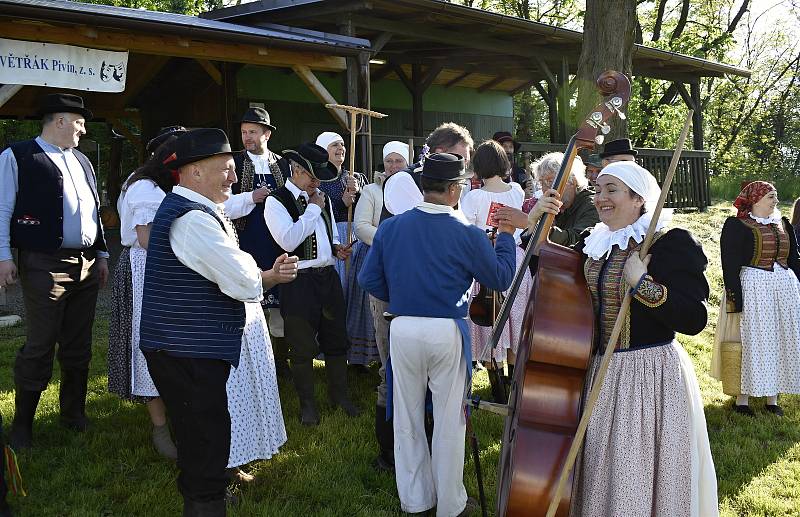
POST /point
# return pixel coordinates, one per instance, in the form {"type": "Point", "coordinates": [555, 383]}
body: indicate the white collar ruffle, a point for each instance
{"type": "Point", "coordinates": [775, 218]}
{"type": "Point", "coordinates": [602, 239]}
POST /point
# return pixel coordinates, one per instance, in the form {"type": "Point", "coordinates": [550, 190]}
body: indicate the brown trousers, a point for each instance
{"type": "Point", "coordinates": [60, 293]}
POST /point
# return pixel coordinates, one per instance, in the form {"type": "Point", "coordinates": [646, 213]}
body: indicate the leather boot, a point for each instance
{"type": "Point", "coordinates": [338, 392]}
{"type": "Point", "coordinates": [25, 402]}
{"type": "Point", "coordinates": [72, 399]}
{"type": "Point", "coordinates": [204, 509]}
{"type": "Point", "coordinates": [384, 432]}
{"type": "Point", "coordinates": [497, 383]}
{"type": "Point", "coordinates": [281, 352]}
{"type": "Point", "coordinates": [303, 376]}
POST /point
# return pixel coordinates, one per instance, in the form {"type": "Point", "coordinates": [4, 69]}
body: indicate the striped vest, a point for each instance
{"type": "Point", "coordinates": [183, 313]}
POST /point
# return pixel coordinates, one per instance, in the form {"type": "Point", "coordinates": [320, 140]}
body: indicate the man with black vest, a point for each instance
{"type": "Point", "coordinates": [49, 212]}
{"type": "Point", "coordinates": [300, 218]}
{"type": "Point", "coordinates": [261, 171]}
{"type": "Point", "coordinates": [196, 284]}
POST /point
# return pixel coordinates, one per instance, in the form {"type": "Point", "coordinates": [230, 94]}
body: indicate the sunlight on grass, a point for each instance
{"type": "Point", "coordinates": [112, 470]}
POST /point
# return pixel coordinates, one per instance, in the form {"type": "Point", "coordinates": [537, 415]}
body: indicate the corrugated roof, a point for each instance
{"type": "Point", "coordinates": [170, 23]}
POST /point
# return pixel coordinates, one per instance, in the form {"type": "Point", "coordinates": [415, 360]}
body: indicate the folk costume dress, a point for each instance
{"type": "Point", "coordinates": [760, 267]}
{"type": "Point", "coordinates": [475, 207]}
{"type": "Point", "coordinates": [128, 376]}
{"type": "Point", "coordinates": [646, 450]}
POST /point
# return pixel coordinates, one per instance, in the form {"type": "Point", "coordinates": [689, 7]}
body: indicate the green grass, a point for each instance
{"type": "Point", "coordinates": [112, 470]}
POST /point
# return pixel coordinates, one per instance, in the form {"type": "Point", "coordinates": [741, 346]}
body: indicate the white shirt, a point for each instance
{"type": "Point", "coordinates": [200, 244]}
{"type": "Point", "coordinates": [137, 206]}
{"type": "Point", "coordinates": [290, 234]}
{"type": "Point", "coordinates": [475, 205]}
{"type": "Point", "coordinates": [260, 162]}
{"type": "Point", "coordinates": [401, 194]}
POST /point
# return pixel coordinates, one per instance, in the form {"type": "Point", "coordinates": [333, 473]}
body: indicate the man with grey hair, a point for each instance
{"type": "Point", "coordinates": [577, 211]}
{"type": "Point", "coordinates": [49, 213]}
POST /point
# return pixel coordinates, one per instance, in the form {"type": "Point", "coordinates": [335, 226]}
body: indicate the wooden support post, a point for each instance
{"type": "Point", "coordinates": [365, 99]}
{"type": "Point", "coordinates": [416, 100]}
{"type": "Point", "coordinates": [549, 97]}
{"type": "Point", "coordinates": [697, 117]}
{"type": "Point", "coordinates": [230, 97]}
{"type": "Point", "coordinates": [319, 90]}
{"type": "Point", "coordinates": [7, 91]}
{"type": "Point", "coordinates": [563, 101]}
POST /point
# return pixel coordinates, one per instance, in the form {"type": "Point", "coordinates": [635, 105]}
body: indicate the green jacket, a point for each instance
{"type": "Point", "coordinates": [570, 223]}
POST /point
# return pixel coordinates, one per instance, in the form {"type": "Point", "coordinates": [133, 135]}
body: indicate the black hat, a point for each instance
{"type": "Point", "coordinates": [63, 103]}
{"type": "Point", "coordinates": [257, 116]}
{"type": "Point", "coordinates": [593, 160]}
{"type": "Point", "coordinates": [197, 144]}
{"type": "Point", "coordinates": [314, 159]}
{"type": "Point", "coordinates": [162, 137]}
{"type": "Point", "coordinates": [505, 136]}
{"type": "Point", "coordinates": [615, 147]}
{"type": "Point", "coordinates": [445, 167]}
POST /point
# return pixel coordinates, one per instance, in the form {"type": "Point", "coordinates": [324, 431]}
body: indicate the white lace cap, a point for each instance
{"type": "Point", "coordinates": [396, 147]}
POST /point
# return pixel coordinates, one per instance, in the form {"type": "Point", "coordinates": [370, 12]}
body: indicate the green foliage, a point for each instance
{"type": "Point", "coordinates": [190, 7]}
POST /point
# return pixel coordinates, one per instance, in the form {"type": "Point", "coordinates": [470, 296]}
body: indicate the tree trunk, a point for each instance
{"type": "Point", "coordinates": [609, 28]}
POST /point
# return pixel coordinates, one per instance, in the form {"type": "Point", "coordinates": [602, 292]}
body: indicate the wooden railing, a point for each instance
{"type": "Point", "coordinates": [690, 187]}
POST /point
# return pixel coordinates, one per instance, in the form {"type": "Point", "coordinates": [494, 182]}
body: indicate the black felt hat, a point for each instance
{"type": "Point", "coordinates": [162, 137]}
{"type": "Point", "coordinates": [615, 147]}
{"type": "Point", "coordinates": [445, 167]}
{"type": "Point", "coordinates": [63, 103]}
{"type": "Point", "coordinates": [197, 144]}
{"type": "Point", "coordinates": [505, 136]}
{"type": "Point", "coordinates": [258, 116]}
{"type": "Point", "coordinates": [314, 159]}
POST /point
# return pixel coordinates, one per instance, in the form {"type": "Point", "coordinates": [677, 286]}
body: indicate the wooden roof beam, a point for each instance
{"type": "Point", "coordinates": [493, 82]}
{"type": "Point", "coordinates": [456, 80]}
{"type": "Point", "coordinates": [523, 86]}
{"type": "Point", "coordinates": [211, 70]}
{"type": "Point", "coordinates": [173, 46]}
{"type": "Point", "coordinates": [381, 72]}
{"type": "Point", "coordinates": [449, 36]}
{"type": "Point", "coordinates": [7, 91]}
{"type": "Point", "coordinates": [318, 89]}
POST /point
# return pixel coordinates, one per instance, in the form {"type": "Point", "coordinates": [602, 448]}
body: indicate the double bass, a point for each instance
{"type": "Point", "coordinates": [555, 347]}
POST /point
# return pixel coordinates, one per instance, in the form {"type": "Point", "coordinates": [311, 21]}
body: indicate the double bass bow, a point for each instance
{"type": "Point", "coordinates": [555, 346]}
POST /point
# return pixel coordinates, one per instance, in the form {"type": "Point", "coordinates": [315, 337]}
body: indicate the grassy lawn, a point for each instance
{"type": "Point", "coordinates": [112, 470]}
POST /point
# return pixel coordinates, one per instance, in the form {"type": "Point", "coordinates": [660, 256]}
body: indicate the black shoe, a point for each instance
{"type": "Point", "coordinates": [303, 377]}
{"type": "Point", "coordinates": [21, 435]}
{"type": "Point", "coordinates": [774, 409]}
{"type": "Point", "coordinates": [204, 509]}
{"type": "Point", "coordinates": [743, 410]}
{"type": "Point", "coordinates": [72, 399]}
{"type": "Point", "coordinates": [338, 391]}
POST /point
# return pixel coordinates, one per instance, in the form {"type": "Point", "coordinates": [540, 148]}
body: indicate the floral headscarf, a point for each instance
{"type": "Point", "coordinates": [750, 195]}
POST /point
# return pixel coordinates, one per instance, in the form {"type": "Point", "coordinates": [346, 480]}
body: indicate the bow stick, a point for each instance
{"type": "Point", "coordinates": [354, 112]}
{"type": "Point", "coordinates": [623, 312]}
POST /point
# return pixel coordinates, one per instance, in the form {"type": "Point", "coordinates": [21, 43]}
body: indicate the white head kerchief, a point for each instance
{"type": "Point", "coordinates": [602, 239]}
{"type": "Point", "coordinates": [396, 147]}
{"type": "Point", "coordinates": [327, 138]}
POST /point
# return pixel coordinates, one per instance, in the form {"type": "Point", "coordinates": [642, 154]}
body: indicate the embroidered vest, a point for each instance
{"type": "Point", "coordinates": [308, 248]}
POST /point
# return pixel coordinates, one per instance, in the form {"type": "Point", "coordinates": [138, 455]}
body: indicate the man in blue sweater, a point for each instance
{"type": "Point", "coordinates": [423, 263]}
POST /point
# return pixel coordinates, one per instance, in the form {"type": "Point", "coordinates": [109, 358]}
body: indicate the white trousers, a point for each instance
{"type": "Point", "coordinates": [426, 353]}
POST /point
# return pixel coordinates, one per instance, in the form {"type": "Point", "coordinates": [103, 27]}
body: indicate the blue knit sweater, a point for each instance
{"type": "Point", "coordinates": [423, 264]}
